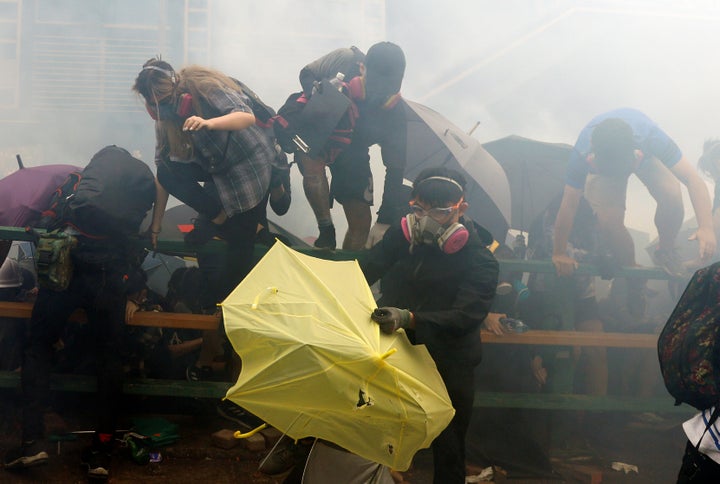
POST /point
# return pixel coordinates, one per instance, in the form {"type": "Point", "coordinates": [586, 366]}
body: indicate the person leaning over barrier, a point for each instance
{"type": "Point", "coordinates": [438, 280]}
{"type": "Point", "coordinates": [206, 132]}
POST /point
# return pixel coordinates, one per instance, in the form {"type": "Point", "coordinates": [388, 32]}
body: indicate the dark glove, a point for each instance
{"type": "Point", "coordinates": [391, 319]}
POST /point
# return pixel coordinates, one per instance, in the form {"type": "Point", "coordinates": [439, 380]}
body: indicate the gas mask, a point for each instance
{"type": "Point", "coordinates": [427, 231]}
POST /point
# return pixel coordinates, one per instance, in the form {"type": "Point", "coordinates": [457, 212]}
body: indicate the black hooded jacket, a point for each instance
{"type": "Point", "coordinates": [449, 294]}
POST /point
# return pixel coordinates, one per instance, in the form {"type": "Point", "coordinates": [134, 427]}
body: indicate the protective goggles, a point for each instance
{"type": "Point", "coordinates": [435, 212]}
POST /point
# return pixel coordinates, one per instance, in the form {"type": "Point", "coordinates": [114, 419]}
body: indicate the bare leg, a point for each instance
{"type": "Point", "coordinates": [317, 189]}
{"type": "Point", "coordinates": [359, 218]}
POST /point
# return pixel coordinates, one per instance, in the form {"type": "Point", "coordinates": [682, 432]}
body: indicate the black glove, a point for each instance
{"type": "Point", "coordinates": [391, 319]}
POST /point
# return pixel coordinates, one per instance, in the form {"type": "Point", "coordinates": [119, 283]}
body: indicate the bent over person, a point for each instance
{"type": "Point", "coordinates": [206, 132]}
{"type": "Point", "coordinates": [438, 281]}
{"type": "Point", "coordinates": [100, 225]}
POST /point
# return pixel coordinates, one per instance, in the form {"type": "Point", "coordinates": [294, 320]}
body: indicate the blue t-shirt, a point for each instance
{"type": "Point", "coordinates": [651, 140]}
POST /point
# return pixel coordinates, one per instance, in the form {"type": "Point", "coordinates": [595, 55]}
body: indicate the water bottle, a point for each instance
{"type": "Point", "coordinates": [337, 81]}
{"type": "Point", "coordinates": [513, 325]}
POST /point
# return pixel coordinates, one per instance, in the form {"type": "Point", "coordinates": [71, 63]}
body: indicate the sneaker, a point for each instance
{"type": "Point", "coordinates": [326, 240]}
{"type": "Point", "coordinates": [203, 232]}
{"type": "Point", "coordinates": [195, 373]}
{"type": "Point", "coordinates": [97, 463]}
{"type": "Point", "coordinates": [281, 205]}
{"type": "Point", "coordinates": [239, 415]}
{"type": "Point", "coordinates": [669, 261]}
{"type": "Point", "coordinates": [29, 454]}
{"type": "Point", "coordinates": [284, 457]}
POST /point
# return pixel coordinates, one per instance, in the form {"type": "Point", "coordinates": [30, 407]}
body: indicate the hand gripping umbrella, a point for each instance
{"type": "Point", "coordinates": [432, 140]}
{"type": "Point", "coordinates": [535, 171]}
{"type": "Point", "coordinates": [315, 365]}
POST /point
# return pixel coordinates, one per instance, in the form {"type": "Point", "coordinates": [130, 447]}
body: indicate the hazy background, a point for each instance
{"type": "Point", "coordinates": [539, 69]}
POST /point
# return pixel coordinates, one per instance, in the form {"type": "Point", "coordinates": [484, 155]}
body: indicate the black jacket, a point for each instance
{"type": "Point", "coordinates": [449, 294]}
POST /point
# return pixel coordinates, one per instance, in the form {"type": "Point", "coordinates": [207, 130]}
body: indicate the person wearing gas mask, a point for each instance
{"type": "Point", "coordinates": [206, 132]}
{"type": "Point", "coordinates": [438, 281]}
{"type": "Point", "coordinates": [379, 118]}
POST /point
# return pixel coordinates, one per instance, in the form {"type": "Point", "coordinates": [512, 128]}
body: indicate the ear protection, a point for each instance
{"type": "Point", "coordinates": [451, 240]}
{"type": "Point", "coordinates": [183, 108]}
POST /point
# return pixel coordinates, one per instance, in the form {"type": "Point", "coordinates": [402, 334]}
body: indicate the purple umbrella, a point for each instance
{"type": "Point", "coordinates": [26, 193]}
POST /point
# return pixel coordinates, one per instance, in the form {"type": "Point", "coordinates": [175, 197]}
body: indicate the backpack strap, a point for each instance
{"type": "Point", "coordinates": [713, 417]}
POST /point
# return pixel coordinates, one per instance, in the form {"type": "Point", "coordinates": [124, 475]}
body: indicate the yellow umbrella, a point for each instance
{"type": "Point", "coordinates": [315, 365]}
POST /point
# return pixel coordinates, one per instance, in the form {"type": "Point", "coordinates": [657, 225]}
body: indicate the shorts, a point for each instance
{"type": "Point", "coordinates": [351, 176]}
{"type": "Point", "coordinates": [608, 192]}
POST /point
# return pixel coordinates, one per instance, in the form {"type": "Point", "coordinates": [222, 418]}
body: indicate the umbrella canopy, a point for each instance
{"type": "Point", "coordinates": [27, 192]}
{"type": "Point", "coordinates": [159, 269]}
{"type": "Point", "coordinates": [432, 140]}
{"type": "Point", "coordinates": [535, 171]}
{"type": "Point", "coordinates": [315, 365]}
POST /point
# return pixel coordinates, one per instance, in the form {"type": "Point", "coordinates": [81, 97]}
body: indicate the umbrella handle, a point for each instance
{"type": "Point", "coordinates": [239, 435]}
{"type": "Point", "coordinates": [268, 290]}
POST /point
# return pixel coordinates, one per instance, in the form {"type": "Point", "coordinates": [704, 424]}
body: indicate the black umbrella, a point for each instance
{"type": "Point", "coordinates": [432, 140]}
{"type": "Point", "coordinates": [535, 171]}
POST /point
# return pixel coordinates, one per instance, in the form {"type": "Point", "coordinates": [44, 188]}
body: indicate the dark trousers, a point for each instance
{"type": "Point", "coordinates": [697, 468]}
{"type": "Point", "coordinates": [182, 180]}
{"type": "Point", "coordinates": [227, 269]}
{"type": "Point", "coordinates": [448, 448]}
{"type": "Point", "coordinates": [100, 290]}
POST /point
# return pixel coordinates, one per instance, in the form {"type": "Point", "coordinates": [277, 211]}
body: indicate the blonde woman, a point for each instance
{"type": "Point", "coordinates": [206, 133]}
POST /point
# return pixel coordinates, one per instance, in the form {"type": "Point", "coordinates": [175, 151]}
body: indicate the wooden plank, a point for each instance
{"type": "Point", "coordinates": [531, 337]}
{"type": "Point", "coordinates": [141, 318]}
{"type": "Point", "coordinates": [574, 338]}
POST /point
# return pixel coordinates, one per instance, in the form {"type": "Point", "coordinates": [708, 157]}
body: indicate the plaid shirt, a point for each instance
{"type": "Point", "coordinates": [241, 164]}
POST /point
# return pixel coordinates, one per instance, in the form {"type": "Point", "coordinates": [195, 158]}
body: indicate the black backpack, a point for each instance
{"type": "Point", "coordinates": [689, 344]}
{"type": "Point", "coordinates": [110, 197]}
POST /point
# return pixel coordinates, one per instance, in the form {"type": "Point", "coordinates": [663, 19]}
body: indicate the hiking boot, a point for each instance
{"type": "Point", "coordinates": [29, 454]}
{"type": "Point", "coordinates": [246, 420]}
{"type": "Point", "coordinates": [203, 232]}
{"type": "Point", "coordinates": [198, 373]}
{"type": "Point", "coordinates": [326, 240]}
{"type": "Point", "coordinates": [284, 458]}
{"type": "Point", "coordinates": [97, 463]}
{"type": "Point", "coordinates": [281, 205]}
{"type": "Point", "coordinates": [669, 261]}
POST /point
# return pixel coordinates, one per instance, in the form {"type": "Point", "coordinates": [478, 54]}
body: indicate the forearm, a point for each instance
{"type": "Point", "coordinates": [234, 121]}
{"type": "Point", "coordinates": [700, 200]}
{"type": "Point", "coordinates": [161, 199]}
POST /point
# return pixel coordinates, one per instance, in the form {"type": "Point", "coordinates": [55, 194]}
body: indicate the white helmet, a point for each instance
{"type": "Point", "coordinates": [10, 274]}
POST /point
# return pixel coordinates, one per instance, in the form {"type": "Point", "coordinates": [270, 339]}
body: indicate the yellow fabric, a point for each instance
{"type": "Point", "coordinates": [312, 359]}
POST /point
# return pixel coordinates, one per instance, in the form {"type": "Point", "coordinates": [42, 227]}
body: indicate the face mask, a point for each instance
{"type": "Point", "coordinates": [427, 231]}
{"type": "Point", "coordinates": [161, 112]}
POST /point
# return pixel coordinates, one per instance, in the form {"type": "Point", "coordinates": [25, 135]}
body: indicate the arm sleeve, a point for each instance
{"type": "Point", "coordinates": [660, 145]}
{"type": "Point", "coordinates": [472, 302]}
{"type": "Point", "coordinates": [376, 261]}
{"type": "Point", "coordinates": [394, 156]}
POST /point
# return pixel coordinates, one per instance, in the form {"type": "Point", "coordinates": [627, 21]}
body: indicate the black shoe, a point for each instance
{"type": "Point", "coordinates": [29, 454]}
{"type": "Point", "coordinates": [282, 204]}
{"type": "Point", "coordinates": [97, 463]}
{"type": "Point", "coordinates": [203, 232]}
{"type": "Point", "coordinates": [326, 240]}
{"type": "Point", "coordinates": [284, 457]}
{"type": "Point", "coordinates": [198, 373]}
{"type": "Point", "coordinates": [239, 415]}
